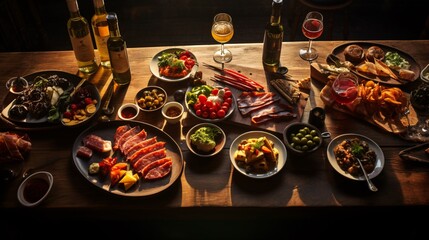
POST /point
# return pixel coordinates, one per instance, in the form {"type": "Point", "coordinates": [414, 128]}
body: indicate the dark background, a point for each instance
{"type": "Point", "coordinates": [35, 25]}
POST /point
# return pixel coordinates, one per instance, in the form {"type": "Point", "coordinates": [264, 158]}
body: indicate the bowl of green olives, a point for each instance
{"type": "Point", "coordinates": [302, 138]}
{"type": "Point", "coordinates": [151, 98]}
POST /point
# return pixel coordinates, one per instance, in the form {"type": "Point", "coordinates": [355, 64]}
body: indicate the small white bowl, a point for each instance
{"type": "Point", "coordinates": [177, 112]}
{"type": "Point", "coordinates": [220, 143]}
{"type": "Point", "coordinates": [128, 111]}
{"type": "Point", "coordinates": [424, 74]}
{"type": "Point", "coordinates": [35, 188]}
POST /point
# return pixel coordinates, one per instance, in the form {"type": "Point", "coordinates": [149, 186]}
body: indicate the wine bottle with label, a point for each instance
{"type": "Point", "coordinates": [81, 40]}
{"type": "Point", "coordinates": [118, 52]}
{"type": "Point", "coordinates": [273, 37]}
{"type": "Point", "coordinates": [100, 29]}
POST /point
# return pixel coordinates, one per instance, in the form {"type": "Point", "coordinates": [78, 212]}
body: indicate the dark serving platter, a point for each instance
{"type": "Point", "coordinates": [415, 67]}
{"type": "Point", "coordinates": [142, 187]}
{"type": "Point", "coordinates": [42, 123]}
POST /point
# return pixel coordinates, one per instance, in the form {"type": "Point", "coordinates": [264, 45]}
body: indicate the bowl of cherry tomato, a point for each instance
{"type": "Point", "coordinates": [174, 64]}
{"type": "Point", "coordinates": [210, 104]}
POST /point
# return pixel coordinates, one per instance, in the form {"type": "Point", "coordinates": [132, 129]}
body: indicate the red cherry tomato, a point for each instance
{"type": "Point", "coordinates": [205, 114]}
{"type": "Point", "coordinates": [215, 91]}
{"type": "Point", "coordinates": [202, 98]}
{"type": "Point", "coordinates": [213, 115]}
{"type": "Point", "coordinates": [227, 94]}
{"type": "Point", "coordinates": [221, 113]}
{"type": "Point", "coordinates": [198, 112]}
{"type": "Point", "coordinates": [209, 104]}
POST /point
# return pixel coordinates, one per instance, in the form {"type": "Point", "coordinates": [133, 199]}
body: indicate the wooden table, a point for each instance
{"type": "Point", "coordinates": [307, 189]}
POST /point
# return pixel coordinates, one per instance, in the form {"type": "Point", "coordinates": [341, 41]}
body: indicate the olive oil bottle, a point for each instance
{"type": "Point", "coordinates": [118, 52]}
{"type": "Point", "coordinates": [273, 37]}
{"type": "Point", "coordinates": [81, 40]}
{"type": "Point", "coordinates": [100, 28]}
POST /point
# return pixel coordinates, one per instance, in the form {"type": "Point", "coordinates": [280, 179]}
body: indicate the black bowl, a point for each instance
{"type": "Point", "coordinates": [293, 129]}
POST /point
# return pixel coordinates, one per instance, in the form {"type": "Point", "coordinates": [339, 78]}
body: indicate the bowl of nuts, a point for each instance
{"type": "Point", "coordinates": [151, 98]}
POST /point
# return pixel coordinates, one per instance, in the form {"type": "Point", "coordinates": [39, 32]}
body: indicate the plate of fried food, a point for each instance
{"type": "Point", "coordinates": [377, 62]}
{"type": "Point", "coordinates": [387, 107]}
{"type": "Point", "coordinates": [174, 64]}
{"type": "Point", "coordinates": [258, 154]}
{"type": "Point", "coordinates": [343, 150]}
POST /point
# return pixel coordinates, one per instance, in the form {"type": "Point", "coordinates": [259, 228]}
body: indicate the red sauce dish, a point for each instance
{"type": "Point", "coordinates": [128, 111]}
{"type": "Point", "coordinates": [35, 188]}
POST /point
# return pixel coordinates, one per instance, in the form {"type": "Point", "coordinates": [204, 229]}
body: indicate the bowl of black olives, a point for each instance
{"type": "Point", "coordinates": [302, 138]}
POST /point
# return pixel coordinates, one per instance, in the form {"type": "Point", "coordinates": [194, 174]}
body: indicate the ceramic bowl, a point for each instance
{"type": "Point", "coordinates": [220, 142]}
{"type": "Point", "coordinates": [128, 111]}
{"type": "Point", "coordinates": [35, 188]}
{"type": "Point", "coordinates": [302, 146]}
{"type": "Point", "coordinates": [172, 112]}
{"type": "Point", "coordinates": [17, 85]}
{"type": "Point", "coordinates": [424, 74]}
{"type": "Point", "coordinates": [150, 95]}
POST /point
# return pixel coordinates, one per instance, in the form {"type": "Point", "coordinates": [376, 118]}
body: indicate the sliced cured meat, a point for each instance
{"type": "Point", "coordinates": [127, 135]}
{"type": "Point", "coordinates": [271, 116]}
{"type": "Point", "coordinates": [13, 146]}
{"type": "Point", "coordinates": [118, 134]}
{"type": "Point", "coordinates": [154, 164]}
{"type": "Point", "coordinates": [146, 150]}
{"type": "Point", "coordinates": [97, 143]}
{"type": "Point", "coordinates": [248, 102]}
{"type": "Point", "coordinates": [130, 151]}
{"type": "Point", "coordinates": [254, 98]}
{"type": "Point", "coordinates": [148, 158]}
{"type": "Point", "coordinates": [159, 171]}
{"type": "Point", "coordinates": [277, 111]}
{"type": "Point", "coordinates": [84, 152]}
{"type": "Point", "coordinates": [133, 140]}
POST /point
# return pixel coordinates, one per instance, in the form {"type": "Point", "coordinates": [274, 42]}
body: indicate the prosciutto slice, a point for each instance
{"type": "Point", "coordinates": [248, 102]}
{"type": "Point", "coordinates": [153, 165]}
{"type": "Point", "coordinates": [277, 111]}
{"type": "Point", "coordinates": [133, 140]}
{"type": "Point", "coordinates": [13, 147]}
{"type": "Point", "coordinates": [159, 171]}
{"type": "Point", "coordinates": [136, 147]}
{"type": "Point", "coordinates": [118, 134]}
{"type": "Point", "coordinates": [127, 135]}
{"type": "Point", "coordinates": [146, 150]}
{"type": "Point", "coordinates": [148, 158]}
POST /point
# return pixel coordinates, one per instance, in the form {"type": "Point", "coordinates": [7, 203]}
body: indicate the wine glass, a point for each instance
{"type": "Point", "coordinates": [222, 32]}
{"type": "Point", "coordinates": [312, 28]}
{"type": "Point", "coordinates": [345, 88]}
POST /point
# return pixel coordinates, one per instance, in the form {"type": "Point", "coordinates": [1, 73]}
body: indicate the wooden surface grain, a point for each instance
{"type": "Point", "coordinates": [213, 183]}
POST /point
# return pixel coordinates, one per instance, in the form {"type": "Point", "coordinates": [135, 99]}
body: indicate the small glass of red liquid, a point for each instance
{"type": "Point", "coordinates": [345, 87]}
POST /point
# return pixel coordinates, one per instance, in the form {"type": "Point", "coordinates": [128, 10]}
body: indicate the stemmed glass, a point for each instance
{"type": "Point", "coordinates": [222, 32]}
{"type": "Point", "coordinates": [312, 28]}
{"type": "Point", "coordinates": [345, 87]}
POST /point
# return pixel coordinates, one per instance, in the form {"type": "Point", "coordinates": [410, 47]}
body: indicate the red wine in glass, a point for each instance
{"type": "Point", "coordinates": [345, 88]}
{"type": "Point", "coordinates": [312, 28]}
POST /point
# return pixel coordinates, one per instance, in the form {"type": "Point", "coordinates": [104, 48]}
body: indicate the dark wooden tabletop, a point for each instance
{"type": "Point", "coordinates": [212, 186]}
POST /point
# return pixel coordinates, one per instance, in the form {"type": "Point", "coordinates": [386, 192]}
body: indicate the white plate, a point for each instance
{"type": "Point", "coordinates": [257, 134]}
{"type": "Point", "coordinates": [372, 145]}
{"type": "Point", "coordinates": [155, 70]}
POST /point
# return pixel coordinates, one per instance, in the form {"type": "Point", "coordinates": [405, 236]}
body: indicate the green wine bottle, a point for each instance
{"type": "Point", "coordinates": [118, 52]}
{"type": "Point", "coordinates": [80, 37]}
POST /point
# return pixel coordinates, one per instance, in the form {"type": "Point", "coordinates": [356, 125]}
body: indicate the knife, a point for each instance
{"type": "Point", "coordinates": [333, 59]}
